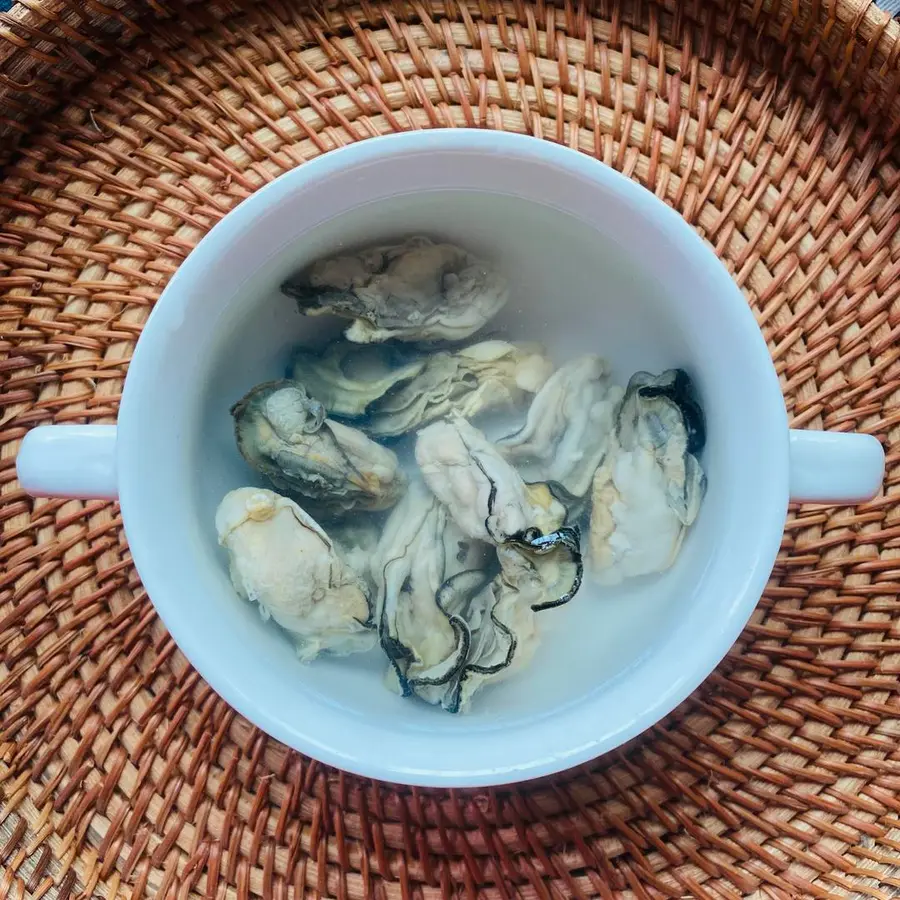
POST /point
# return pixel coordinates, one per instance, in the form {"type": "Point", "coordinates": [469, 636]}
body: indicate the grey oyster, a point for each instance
{"type": "Point", "coordinates": [417, 290]}
{"type": "Point", "coordinates": [485, 376]}
{"type": "Point", "coordinates": [284, 434]}
{"type": "Point", "coordinates": [395, 390]}
{"type": "Point", "coordinates": [649, 488]}
{"type": "Point", "coordinates": [569, 427]}
{"type": "Point", "coordinates": [348, 377]}
{"type": "Point", "coordinates": [281, 559]}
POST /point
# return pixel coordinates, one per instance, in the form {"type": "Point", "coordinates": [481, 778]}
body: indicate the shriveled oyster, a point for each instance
{"type": "Point", "coordinates": [501, 638]}
{"type": "Point", "coordinates": [500, 617]}
{"type": "Point", "coordinates": [569, 427]}
{"type": "Point", "coordinates": [502, 623]}
{"type": "Point", "coordinates": [281, 559]}
{"type": "Point", "coordinates": [490, 502]}
{"type": "Point", "coordinates": [469, 381]}
{"type": "Point", "coordinates": [445, 623]}
{"type": "Point", "coordinates": [649, 488]}
{"type": "Point", "coordinates": [396, 389]}
{"type": "Point", "coordinates": [422, 561]}
{"type": "Point", "coordinates": [347, 377]}
{"type": "Point", "coordinates": [417, 290]}
{"type": "Point", "coordinates": [283, 433]}
{"type": "Point", "coordinates": [485, 495]}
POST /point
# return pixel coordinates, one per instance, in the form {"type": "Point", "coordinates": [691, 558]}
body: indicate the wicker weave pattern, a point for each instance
{"type": "Point", "coordinates": [772, 127]}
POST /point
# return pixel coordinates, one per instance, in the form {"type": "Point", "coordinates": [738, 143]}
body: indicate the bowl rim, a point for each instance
{"type": "Point", "coordinates": [147, 356]}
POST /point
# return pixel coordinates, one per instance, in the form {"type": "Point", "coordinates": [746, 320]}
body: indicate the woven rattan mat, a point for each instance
{"type": "Point", "coordinates": [771, 126]}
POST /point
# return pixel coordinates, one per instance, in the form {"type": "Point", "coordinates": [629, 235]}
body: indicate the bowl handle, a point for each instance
{"type": "Point", "coordinates": [834, 467]}
{"type": "Point", "coordinates": [80, 461]}
{"type": "Point", "coordinates": [69, 461]}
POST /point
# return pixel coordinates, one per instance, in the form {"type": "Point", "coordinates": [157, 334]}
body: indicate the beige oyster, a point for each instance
{"type": "Point", "coordinates": [648, 490]}
{"type": "Point", "coordinates": [282, 560]}
{"type": "Point", "coordinates": [417, 290]}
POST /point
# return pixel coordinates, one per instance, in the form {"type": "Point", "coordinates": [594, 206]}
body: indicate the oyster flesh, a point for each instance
{"type": "Point", "coordinates": [501, 640]}
{"type": "Point", "coordinates": [469, 381]}
{"type": "Point", "coordinates": [422, 561]}
{"type": "Point", "coordinates": [347, 377]}
{"type": "Point", "coordinates": [648, 490]}
{"type": "Point", "coordinates": [500, 617]}
{"type": "Point", "coordinates": [394, 389]}
{"type": "Point", "coordinates": [447, 623]}
{"type": "Point", "coordinates": [486, 496]}
{"type": "Point", "coordinates": [569, 427]}
{"type": "Point", "coordinates": [281, 559]}
{"type": "Point", "coordinates": [356, 538]}
{"type": "Point", "coordinates": [502, 624]}
{"type": "Point", "coordinates": [490, 502]}
{"type": "Point", "coordinates": [283, 433]}
{"type": "Point", "coordinates": [417, 290]}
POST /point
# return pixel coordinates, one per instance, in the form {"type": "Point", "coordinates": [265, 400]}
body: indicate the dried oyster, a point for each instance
{"type": "Point", "coordinates": [485, 495]}
{"type": "Point", "coordinates": [500, 617]}
{"type": "Point", "coordinates": [446, 625]}
{"type": "Point", "coordinates": [504, 634]}
{"type": "Point", "coordinates": [283, 433]}
{"type": "Point", "coordinates": [347, 377]}
{"type": "Point", "coordinates": [569, 427]}
{"type": "Point", "coordinates": [397, 389]}
{"type": "Point", "coordinates": [421, 560]}
{"type": "Point", "coordinates": [281, 559]}
{"type": "Point", "coordinates": [490, 502]}
{"type": "Point", "coordinates": [418, 290]}
{"type": "Point", "coordinates": [469, 381]}
{"type": "Point", "coordinates": [649, 488]}
{"type": "Point", "coordinates": [502, 638]}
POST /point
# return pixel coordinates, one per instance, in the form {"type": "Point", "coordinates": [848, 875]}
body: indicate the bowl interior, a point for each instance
{"type": "Point", "coordinates": [571, 291]}
{"type": "Point", "coordinates": [582, 282]}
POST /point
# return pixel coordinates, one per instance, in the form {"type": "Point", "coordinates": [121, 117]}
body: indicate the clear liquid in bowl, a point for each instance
{"type": "Point", "coordinates": [572, 291]}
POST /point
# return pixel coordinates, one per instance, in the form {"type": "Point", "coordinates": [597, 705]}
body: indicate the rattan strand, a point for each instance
{"type": "Point", "coordinates": [771, 126]}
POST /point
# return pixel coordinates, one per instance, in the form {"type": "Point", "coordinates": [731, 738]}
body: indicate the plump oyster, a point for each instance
{"type": "Point", "coordinates": [485, 495]}
{"type": "Point", "coordinates": [348, 377]}
{"type": "Point", "coordinates": [487, 375]}
{"type": "Point", "coordinates": [649, 488]}
{"type": "Point", "coordinates": [417, 290]}
{"type": "Point", "coordinates": [447, 623]}
{"type": "Point", "coordinates": [281, 559]}
{"type": "Point", "coordinates": [569, 427]}
{"type": "Point", "coordinates": [283, 433]}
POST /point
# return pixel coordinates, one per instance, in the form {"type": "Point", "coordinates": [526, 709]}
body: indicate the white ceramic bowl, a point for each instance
{"type": "Point", "coordinates": [598, 264]}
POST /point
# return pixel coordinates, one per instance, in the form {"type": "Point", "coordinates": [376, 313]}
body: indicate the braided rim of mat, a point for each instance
{"type": "Point", "coordinates": [772, 130]}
